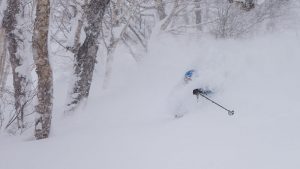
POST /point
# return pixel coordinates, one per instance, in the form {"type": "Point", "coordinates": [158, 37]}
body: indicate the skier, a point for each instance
{"type": "Point", "coordinates": [188, 78]}
{"type": "Point", "coordinates": [188, 75]}
{"type": "Point", "coordinates": [182, 99]}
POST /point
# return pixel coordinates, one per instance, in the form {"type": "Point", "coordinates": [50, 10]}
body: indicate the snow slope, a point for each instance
{"type": "Point", "coordinates": [130, 125]}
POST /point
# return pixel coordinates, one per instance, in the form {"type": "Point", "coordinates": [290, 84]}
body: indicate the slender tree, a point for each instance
{"type": "Point", "coordinates": [160, 9]}
{"type": "Point", "coordinates": [14, 45]}
{"type": "Point", "coordinates": [85, 57]}
{"type": "Point", "coordinates": [198, 14]}
{"type": "Point", "coordinates": [43, 69]}
{"type": "Point", "coordinates": [2, 59]}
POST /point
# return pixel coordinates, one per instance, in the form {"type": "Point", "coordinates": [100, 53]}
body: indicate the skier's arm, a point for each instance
{"type": "Point", "coordinates": [198, 91]}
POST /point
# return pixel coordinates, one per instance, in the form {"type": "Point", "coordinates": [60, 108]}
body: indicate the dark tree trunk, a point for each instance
{"type": "Point", "coordinates": [85, 58]}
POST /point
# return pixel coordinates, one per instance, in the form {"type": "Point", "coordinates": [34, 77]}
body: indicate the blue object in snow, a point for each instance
{"type": "Point", "coordinates": [189, 74]}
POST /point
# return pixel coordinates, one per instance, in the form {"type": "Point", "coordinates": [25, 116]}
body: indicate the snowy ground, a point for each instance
{"type": "Point", "coordinates": [131, 125]}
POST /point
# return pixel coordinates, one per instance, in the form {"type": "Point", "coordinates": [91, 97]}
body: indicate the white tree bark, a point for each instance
{"type": "Point", "coordinates": [15, 46]}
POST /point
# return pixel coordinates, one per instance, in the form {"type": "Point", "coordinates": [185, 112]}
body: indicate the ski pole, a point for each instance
{"type": "Point", "coordinates": [230, 112]}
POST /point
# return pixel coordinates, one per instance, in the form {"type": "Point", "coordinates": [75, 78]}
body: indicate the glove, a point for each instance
{"type": "Point", "coordinates": [197, 92]}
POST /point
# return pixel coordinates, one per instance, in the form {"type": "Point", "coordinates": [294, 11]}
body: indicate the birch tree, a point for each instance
{"type": "Point", "coordinates": [15, 46]}
{"type": "Point", "coordinates": [43, 69]}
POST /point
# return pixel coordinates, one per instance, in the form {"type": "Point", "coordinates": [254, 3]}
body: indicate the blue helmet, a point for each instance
{"type": "Point", "coordinates": [189, 74]}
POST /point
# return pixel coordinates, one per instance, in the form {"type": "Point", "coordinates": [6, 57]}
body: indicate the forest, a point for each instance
{"type": "Point", "coordinates": [112, 71]}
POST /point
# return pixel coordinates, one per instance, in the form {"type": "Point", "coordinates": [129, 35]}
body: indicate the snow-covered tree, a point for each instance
{"type": "Point", "coordinates": [124, 25]}
{"type": "Point", "coordinates": [15, 35]}
{"type": "Point", "coordinates": [85, 30]}
{"type": "Point", "coordinates": [85, 57]}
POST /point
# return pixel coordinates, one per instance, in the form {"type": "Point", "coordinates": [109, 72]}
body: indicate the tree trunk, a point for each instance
{"type": "Point", "coordinates": [2, 59]}
{"type": "Point", "coordinates": [198, 14]}
{"type": "Point", "coordinates": [43, 69]}
{"type": "Point", "coordinates": [160, 9]}
{"type": "Point", "coordinates": [79, 27]}
{"type": "Point", "coordinates": [85, 58]}
{"type": "Point", "coordinates": [20, 81]}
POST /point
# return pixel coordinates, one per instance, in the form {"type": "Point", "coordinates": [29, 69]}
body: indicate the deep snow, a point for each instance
{"type": "Point", "coordinates": [131, 125]}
